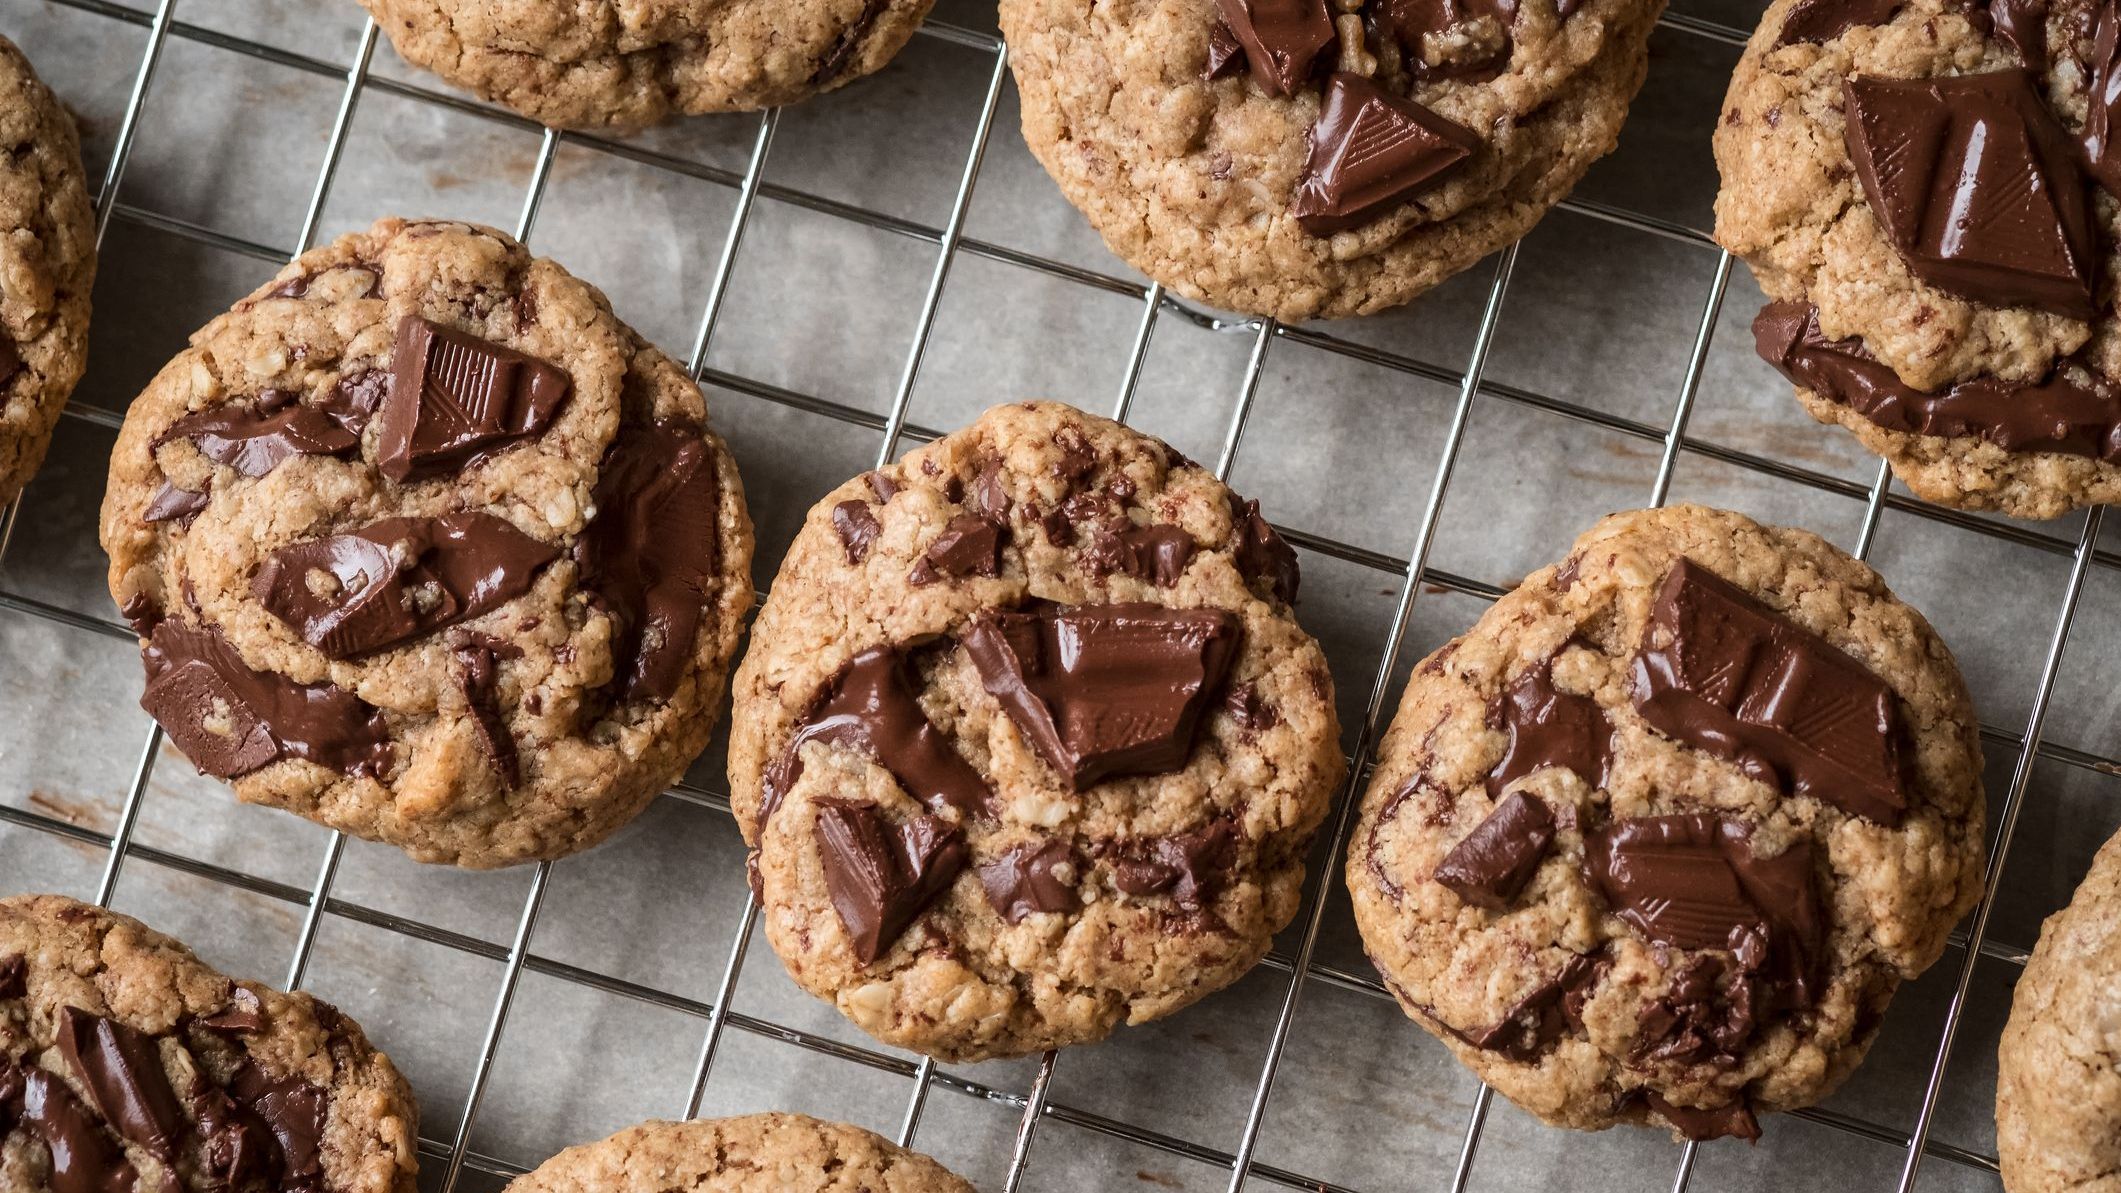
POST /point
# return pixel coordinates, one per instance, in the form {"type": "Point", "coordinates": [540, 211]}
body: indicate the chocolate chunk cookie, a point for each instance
{"type": "Point", "coordinates": [423, 544]}
{"type": "Point", "coordinates": [608, 63]}
{"type": "Point", "coordinates": [1028, 742]}
{"type": "Point", "coordinates": [758, 1153]}
{"type": "Point", "coordinates": [1926, 189]}
{"type": "Point", "coordinates": [1657, 839]}
{"type": "Point", "coordinates": [127, 1064]}
{"type": "Point", "coordinates": [1284, 158]}
{"type": "Point", "coordinates": [2058, 1094]}
{"type": "Point", "coordinates": [47, 267]}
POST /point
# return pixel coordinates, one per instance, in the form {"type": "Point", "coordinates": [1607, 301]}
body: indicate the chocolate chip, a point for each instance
{"type": "Point", "coordinates": [857, 528]}
{"type": "Point", "coordinates": [872, 705]}
{"type": "Point", "coordinates": [478, 678]}
{"type": "Point", "coordinates": [293, 1110]}
{"type": "Point", "coordinates": [1370, 152]}
{"type": "Point", "coordinates": [172, 504]}
{"type": "Point", "coordinates": [1102, 690]}
{"type": "Point", "coordinates": [230, 720]}
{"type": "Point", "coordinates": [14, 976]}
{"type": "Point", "coordinates": [652, 550]}
{"type": "Point", "coordinates": [1977, 187]}
{"type": "Point", "coordinates": [244, 1014]}
{"type": "Point", "coordinates": [122, 1071]}
{"type": "Point", "coordinates": [83, 1158]}
{"type": "Point", "coordinates": [1026, 879]}
{"type": "Point", "coordinates": [968, 546]}
{"type": "Point", "coordinates": [254, 440]}
{"type": "Point", "coordinates": [1732, 1120]}
{"type": "Point", "coordinates": [1825, 20]}
{"type": "Point", "coordinates": [454, 396]}
{"type": "Point", "coordinates": [1077, 458]}
{"type": "Point", "coordinates": [2074, 410]}
{"type": "Point", "coordinates": [1190, 867]}
{"type": "Point", "coordinates": [1282, 39]}
{"type": "Point", "coordinates": [1549, 727]}
{"type": "Point", "coordinates": [1723, 673]}
{"type": "Point", "coordinates": [398, 579]}
{"type": "Point", "coordinates": [882, 877]}
{"type": "Point", "coordinates": [1226, 54]}
{"type": "Point", "coordinates": [1491, 865]}
{"type": "Point", "coordinates": [1263, 556]}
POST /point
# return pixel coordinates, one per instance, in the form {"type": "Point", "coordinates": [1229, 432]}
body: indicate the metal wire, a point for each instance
{"type": "Point", "coordinates": [1035, 1104]}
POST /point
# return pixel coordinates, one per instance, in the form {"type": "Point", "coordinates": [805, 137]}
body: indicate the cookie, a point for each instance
{"type": "Point", "coordinates": [47, 267]}
{"type": "Point", "coordinates": [2058, 1096]}
{"type": "Point", "coordinates": [1272, 159]}
{"type": "Point", "coordinates": [425, 545]}
{"type": "Point", "coordinates": [1656, 840]}
{"type": "Point", "coordinates": [758, 1153]}
{"type": "Point", "coordinates": [607, 64]}
{"type": "Point", "coordinates": [1028, 742]}
{"type": "Point", "coordinates": [126, 1063]}
{"type": "Point", "coordinates": [1926, 190]}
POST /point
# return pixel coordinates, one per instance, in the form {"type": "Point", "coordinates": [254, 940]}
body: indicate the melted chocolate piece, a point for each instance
{"type": "Point", "coordinates": [1023, 880]}
{"type": "Point", "coordinates": [2075, 410]}
{"type": "Point", "coordinates": [1226, 54]}
{"type": "Point", "coordinates": [882, 876]}
{"type": "Point", "coordinates": [1735, 1120]}
{"type": "Point", "coordinates": [293, 1110]}
{"type": "Point", "coordinates": [1549, 727]}
{"type": "Point", "coordinates": [968, 546]}
{"type": "Point", "coordinates": [1103, 690]}
{"type": "Point", "coordinates": [172, 504]}
{"type": "Point", "coordinates": [1490, 866]}
{"type": "Point", "coordinates": [1282, 39]}
{"type": "Point", "coordinates": [857, 528]}
{"type": "Point", "coordinates": [1190, 867]}
{"type": "Point", "coordinates": [236, 1145]}
{"type": "Point", "coordinates": [230, 720]}
{"type": "Point", "coordinates": [1706, 1015]}
{"type": "Point", "coordinates": [1723, 673]}
{"type": "Point", "coordinates": [478, 678]}
{"type": "Point", "coordinates": [122, 1071]}
{"type": "Point", "coordinates": [398, 579]}
{"type": "Point", "coordinates": [2102, 116]}
{"type": "Point", "coordinates": [873, 705]}
{"type": "Point", "coordinates": [1372, 151]}
{"type": "Point", "coordinates": [14, 976]}
{"type": "Point", "coordinates": [2023, 23]}
{"type": "Point", "coordinates": [1825, 20]}
{"type": "Point", "coordinates": [1158, 554]}
{"type": "Point", "coordinates": [454, 396]}
{"type": "Point", "coordinates": [1408, 22]}
{"type": "Point", "coordinates": [653, 548]}
{"type": "Point", "coordinates": [84, 1159]}
{"type": "Point", "coordinates": [243, 1015]}
{"type": "Point", "coordinates": [1263, 555]}
{"type": "Point", "coordinates": [1977, 187]}
{"type": "Point", "coordinates": [848, 45]}
{"type": "Point", "coordinates": [254, 440]}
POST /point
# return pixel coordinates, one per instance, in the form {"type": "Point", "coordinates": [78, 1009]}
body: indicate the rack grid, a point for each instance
{"type": "Point", "coordinates": [1412, 572]}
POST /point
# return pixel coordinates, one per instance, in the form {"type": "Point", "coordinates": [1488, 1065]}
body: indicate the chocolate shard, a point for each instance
{"type": "Point", "coordinates": [244, 1014]}
{"type": "Point", "coordinates": [172, 504]}
{"type": "Point", "coordinates": [1977, 187]}
{"type": "Point", "coordinates": [122, 1071]}
{"type": "Point", "coordinates": [236, 1146]}
{"type": "Point", "coordinates": [1036, 876]}
{"type": "Point", "coordinates": [1490, 866]}
{"type": "Point", "coordinates": [857, 528]}
{"type": "Point", "coordinates": [990, 493]}
{"type": "Point", "coordinates": [83, 1158]}
{"type": "Point", "coordinates": [293, 1111]}
{"type": "Point", "coordinates": [2102, 102]}
{"type": "Point", "coordinates": [1824, 20]}
{"type": "Point", "coordinates": [1263, 556]}
{"type": "Point", "coordinates": [882, 877]}
{"type": "Point", "coordinates": [2075, 410]}
{"type": "Point", "coordinates": [1226, 54]}
{"type": "Point", "coordinates": [402, 578]}
{"type": "Point", "coordinates": [477, 674]}
{"type": "Point", "coordinates": [1103, 690]}
{"type": "Point", "coordinates": [14, 976]}
{"type": "Point", "coordinates": [873, 705]}
{"type": "Point", "coordinates": [454, 396]}
{"type": "Point", "coordinates": [1282, 39]}
{"type": "Point", "coordinates": [653, 549]}
{"type": "Point", "coordinates": [1189, 867]}
{"type": "Point", "coordinates": [1370, 152]}
{"type": "Point", "coordinates": [230, 720]}
{"type": "Point", "coordinates": [1535, 1022]}
{"type": "Point", "coordinates": [1723, 673]}
{"type": "Point", "coordinates": [254, 440]}
{"type": "Point", "coordinates": [968, 546]}
{"type": "Point", "coordinates": [1158, 554]}
{"type": "Point", "coordinates": [1549, 727]}
{"type": "Point", "coordinates": [1734, 1120]}
{"type": "Point", "coordinates": [1411, 22]}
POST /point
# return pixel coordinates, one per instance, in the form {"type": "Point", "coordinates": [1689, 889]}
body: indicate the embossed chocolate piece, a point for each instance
{"type": "Point", "coordinates": [1370, 152]}
{"type": "Point", "coordinates": [1263, 555]}
{"type": "Point", "coordinates": [1281, 39]}
{"type": "Point", "coordinates": [1722, 672]}
{"type": "Point", "coordinates": [882, 877]}
{"type": "Point", "coordinates": [857, 528]}
{"type": "Point", "coordinates": [1491, 865]}
{"type": "Point", "coordinates": [2074, 410]}
{"type": "Point", "coordinates": [1548, 727]}
{"type": "Point", "coordinates": [1189, 867]}
{"type": "Point", "coordinates": [254, 440]}
{"type": "Point", "coordinates": [653, 549]}
{"type": "Point", "coordinates": [230, 720]}
{"type": "Point", "coordinates": [477, 675]}
{"type": "Point", "coordinates": [1825, 20]}
{"type": "Point", "coordinates": [1103, 690]}
{"type": "Point", "coordinates": [398, 579]}
{"type": "Point", "coordinates": [454, 396]}
{"type": "Point", "coordinates": [1226, 54]}
{"type": "Point", "coordinates": [873, 705]}
{"type": "Point", "coordinates": [1977, 187]}
{"type": "Point", "coordinates": [122, 1072]}
{"type": "Point", "coordinates": [2102, 102]}
{"type": "Point", "coordinates": [1029, 878]}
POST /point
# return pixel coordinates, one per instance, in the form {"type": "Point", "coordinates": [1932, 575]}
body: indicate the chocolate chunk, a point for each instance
{"type": "Point", "coordinates": [2102, 100]}
{"type": "Point", "coordinates": [1492, 864]}
{"type": "Point", "coordinates": [243, 1015]}
{"type": "Point", "coordinates": [968, 546]}
{"type": "Point", "coordinates": [1707, 1013]}
{"type": "Point", "coordinates": [1825, 20]}
{"type": "Point", "coordinates": [122, 1070]}
{"type": "Point", "coordinates": [1226, 54]}
{"type": "Point", "coordinates": [353, 400]}
{"type": "Point", "coordinates": [236, 1145]}
{"type": "Point", "coordinates": [990, 493]}
{"type": "Point", "coordinates": [873, 705]}
{"type": "Point", "coordinates": [2074, 410]}
{"type": "Point", "coordinates": [84, 1159]}
{"type": "Point", "coordinates": [1370, 152]}
{"type": "Point", "coordinates": [1102, 690]}
{"type": "Point", "coordinates": [398, 579]}
{"type": "Point", "coordinates": [1537, 1020]}
{"type": "Point", "coordinates": [653, 549]}
{"type": "Point", "coordinates": [1249, 709]}
{"type": "Point", "coordinates": [2023, 23]}
{"type": "Point", "coordinates": [230, 720]}
{"type": "Point", "coordinates": [882, 876]}
{"type": "Point", "coordinates": [1263, 555]}
{"type": "Point", "coordinates": [142, 612]}
{"type": "Point", "coordinates": [1282, 39]}
{"type": "Point", "coordinates": [1410, 22]}
{"type": "Point", "coordinates": [1549, 727]}
{"type": "Point", "coordinates": [1734, 1120]}
{"type": "Point", "coordinates": [1158, 554]}
{"type": "Point", "coordinates": [881, 485]}
{"type": "Point", "coordinates": [293, 1110]}
{"type": "Point", "coordinates": [1025, 879]}
{"type": "Point", "coordinates": [478, 678]}
{"type": "Point", "coordinates": [848, 45]}
{"type": "Point", "coordinates": [857, 528]}
{"type": "Point", "coordinates": [254, 440]}
{"type": "Point", "coordinates": [1722, 672]}
{"type": "Point", "coordinates": [14, 976]}
{"type": "Point", "coordinates": [1190, 867]}
{"type": "Point", "coordinates": [172, 504]}
{"type": "Point", "coordinates": [454, 396]}
{"type": "Point", "coordinates": [1977, 187]}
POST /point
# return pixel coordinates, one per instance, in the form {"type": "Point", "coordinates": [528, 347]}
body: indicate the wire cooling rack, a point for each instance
{"type": "Point", "coordinates": [446, 1161]}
